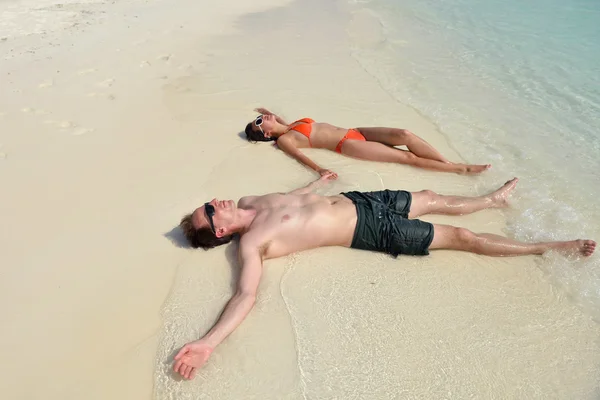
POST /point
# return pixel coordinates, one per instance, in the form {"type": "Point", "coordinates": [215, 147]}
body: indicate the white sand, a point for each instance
{"type": "Point", "coordinates": [112, 129]}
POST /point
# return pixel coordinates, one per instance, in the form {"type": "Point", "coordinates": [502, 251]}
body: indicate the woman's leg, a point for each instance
{"type": "Point", "coordinates": [374, 151]}
{"type": "Point", "coordinates": [453, 238]}
{"type": "Point", "coordinates": [403, 137]}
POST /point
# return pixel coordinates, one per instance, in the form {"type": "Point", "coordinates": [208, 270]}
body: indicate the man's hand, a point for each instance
{"type": "Point", "coordinates": [327, 175]}
{"type": "Point", "coordinates": [191, 357]}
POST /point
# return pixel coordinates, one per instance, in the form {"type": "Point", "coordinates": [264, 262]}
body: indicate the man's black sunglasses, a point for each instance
{"type": "Point", "coordinates": [210, 212]}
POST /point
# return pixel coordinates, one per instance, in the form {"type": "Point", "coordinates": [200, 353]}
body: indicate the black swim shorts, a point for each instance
{"type": "Point", "coordinates": [383, 223]}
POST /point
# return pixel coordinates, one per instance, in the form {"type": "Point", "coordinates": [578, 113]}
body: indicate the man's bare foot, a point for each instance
{"type": "Point", "coordinates": [500, 196]}
{"type": "Point", "coordinates": [582, 247]}
{"type": "Point", "coordinates": [469, 169]}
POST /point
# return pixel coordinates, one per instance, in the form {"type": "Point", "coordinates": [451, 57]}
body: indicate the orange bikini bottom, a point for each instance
{"type": "Point", "coordinates": [352, 134]}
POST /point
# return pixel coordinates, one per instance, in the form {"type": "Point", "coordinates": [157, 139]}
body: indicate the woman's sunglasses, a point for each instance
{"type": "Point", "coordinates": [258, 122]}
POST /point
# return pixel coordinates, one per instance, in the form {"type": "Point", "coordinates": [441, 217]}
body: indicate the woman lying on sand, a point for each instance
{"type": "Point", "coordinates": [373, 144]}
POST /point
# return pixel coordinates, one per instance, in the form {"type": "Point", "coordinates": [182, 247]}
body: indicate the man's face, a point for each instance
{"type": "Point", "coordinates": [221, 212]}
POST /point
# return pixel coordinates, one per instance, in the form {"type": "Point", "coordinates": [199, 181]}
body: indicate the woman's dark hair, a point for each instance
{"type": "Point", "coordinates": [203, 237]}
{"type": "Point", "coordinates": [256, 136]}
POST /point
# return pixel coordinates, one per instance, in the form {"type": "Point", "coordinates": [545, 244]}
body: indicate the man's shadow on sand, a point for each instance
{"type": "Point", "coordinates": [177, 237]}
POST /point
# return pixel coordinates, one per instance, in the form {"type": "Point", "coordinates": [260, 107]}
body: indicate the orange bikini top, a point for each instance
{"type": "Point", "coordinates": [305, 127]}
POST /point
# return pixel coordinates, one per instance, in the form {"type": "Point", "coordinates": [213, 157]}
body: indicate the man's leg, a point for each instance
{"type": "Point", "coordinates": [428, 202]}
{"type": "Point", "coordinates": [453, 238]}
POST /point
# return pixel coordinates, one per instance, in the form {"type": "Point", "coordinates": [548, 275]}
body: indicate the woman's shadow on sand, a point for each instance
{"type": "Point", "coordinates": [243, 136]}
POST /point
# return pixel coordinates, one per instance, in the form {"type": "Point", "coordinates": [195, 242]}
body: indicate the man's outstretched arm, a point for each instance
{"type": "Point", "coordinates": [195, 354]}
{"type": "Point", "coordinates": [314, 185]}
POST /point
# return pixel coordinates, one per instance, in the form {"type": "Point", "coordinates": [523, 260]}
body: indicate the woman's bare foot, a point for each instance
{"type": "Point", "coordinates": [500, 196]}
{"type": "Point", "coordinates": [469, 169]}
{"type": "Point", "coordinates": [582, 247]}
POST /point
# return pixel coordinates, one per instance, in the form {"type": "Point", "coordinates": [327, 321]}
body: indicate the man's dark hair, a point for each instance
{"type": "Point", "coordinates": [256, 136]}
{"type": "Point", "coordinates": [203, 237]}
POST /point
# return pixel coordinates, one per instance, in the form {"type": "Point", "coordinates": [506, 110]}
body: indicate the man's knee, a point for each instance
{"type": "Point", "coordinates": [427, 196]}
{"type": "Point", "coordinates": [428, 193]}
{"type": "Point", "coordinates": [465, 239]}
{"type": "Point", "coordinates": [422, 202]}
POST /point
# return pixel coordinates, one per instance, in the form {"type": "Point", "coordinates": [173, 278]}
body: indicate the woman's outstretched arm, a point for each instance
{"type": "Point", "coordinates": [289, 147]}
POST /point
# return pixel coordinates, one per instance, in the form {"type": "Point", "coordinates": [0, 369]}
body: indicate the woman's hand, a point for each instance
{"type": "Point", "coordinates": [327, 175]}
{"type": "Point", "coordinates": [263, 111]}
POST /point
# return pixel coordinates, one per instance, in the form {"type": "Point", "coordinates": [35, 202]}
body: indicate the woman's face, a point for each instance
{"type": "Point", "coordinates": [265, 124]}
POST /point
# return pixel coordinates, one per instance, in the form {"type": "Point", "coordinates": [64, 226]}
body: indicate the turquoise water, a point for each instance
{"type": "Point", "coordinates": [515, 84]}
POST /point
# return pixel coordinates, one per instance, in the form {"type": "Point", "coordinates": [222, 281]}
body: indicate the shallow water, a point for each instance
{"type": "Point", "coordinates": [509, 83]}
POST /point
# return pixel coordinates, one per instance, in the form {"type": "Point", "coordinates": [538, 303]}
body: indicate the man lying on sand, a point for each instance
{"type": "Point", "coordinates": [275, 225]}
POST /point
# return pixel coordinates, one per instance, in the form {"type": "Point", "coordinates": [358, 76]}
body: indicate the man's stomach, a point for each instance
{"type": "Point", "coordinates": [320, 226]}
